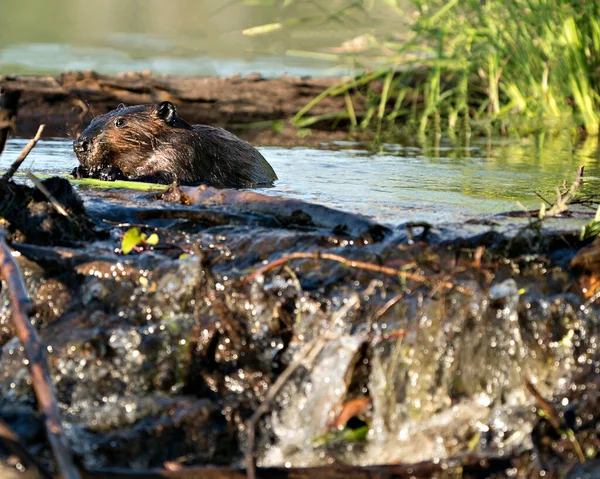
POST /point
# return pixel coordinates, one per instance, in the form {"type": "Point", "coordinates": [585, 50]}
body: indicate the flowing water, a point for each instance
{"type": "Point", "coordinates": [150, 348]}
{"type": "Point", "coordinates": [399, 184]}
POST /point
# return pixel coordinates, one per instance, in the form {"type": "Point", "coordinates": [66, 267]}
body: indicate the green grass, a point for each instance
{"type": "Point", "coordinates": [492, 66]}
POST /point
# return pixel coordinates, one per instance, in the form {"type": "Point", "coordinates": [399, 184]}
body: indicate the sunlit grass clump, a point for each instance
{"type": "Point", "coordinates": [498, 66]}
{"type": "Point", "coordinates": [514, 59]}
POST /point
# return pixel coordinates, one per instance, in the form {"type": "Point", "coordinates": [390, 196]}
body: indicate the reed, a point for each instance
{"type": "Point", "coordinates": [494, 66]}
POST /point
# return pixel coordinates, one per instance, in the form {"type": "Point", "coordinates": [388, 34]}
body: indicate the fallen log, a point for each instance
{"type": "Point", "coordinates": [466, 467]}
{"type": "Point", "coordinates": [256, 109]}
{"type": "Point", "coordinates": [289, 212]}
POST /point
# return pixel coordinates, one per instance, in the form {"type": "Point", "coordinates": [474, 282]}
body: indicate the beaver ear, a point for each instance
{"type": "Point", "coordinates": [166, 111]}
{"type": "Point", "coordinates": [121, 106]}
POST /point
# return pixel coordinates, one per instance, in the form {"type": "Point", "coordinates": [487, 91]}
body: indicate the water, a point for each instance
{"type": "Point", "coordinates": [185, 36]}
{"type": "Point", "coordinates": [401, 183]}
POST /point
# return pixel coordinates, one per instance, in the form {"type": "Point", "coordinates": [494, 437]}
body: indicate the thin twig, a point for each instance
{"type": "Point", "coordinates": [21, 158]}
{"type": "Point", "coordinates": [542, 198]}
{"type": "Point", "coordinates": [554, 419]}
{"type": "Point", "coordinates": [349, 262]}
{"type": "Point", "coordinates": [386, 307]}
{"type": "Point", "coordinates": [35, 353]}
{"type": "Point", "coordinates": [53, 201]}
{"type": "Point", "coordinates": [228, 325]}
{"type": "Point", "coordinates": [544, 405]}
{"type": "Point", "coordinates": [13, 444]}
{"type": "Point", "coordinates": [564, 198]}
{"type": "Point", "coordinates": [306, 356]}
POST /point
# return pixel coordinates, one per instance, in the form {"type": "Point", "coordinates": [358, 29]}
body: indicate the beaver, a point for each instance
{"type": "Point", "coordinates": [151, 143]}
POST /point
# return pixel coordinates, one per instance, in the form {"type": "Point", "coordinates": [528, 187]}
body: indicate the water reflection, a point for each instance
{"type": "Point", "coordinates": [401, 183]}
{"type": "Point", "coordinates": [195, 37]}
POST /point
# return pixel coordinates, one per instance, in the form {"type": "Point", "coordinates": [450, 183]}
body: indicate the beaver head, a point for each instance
{"type": "Point", "coordinates": [127, 139]}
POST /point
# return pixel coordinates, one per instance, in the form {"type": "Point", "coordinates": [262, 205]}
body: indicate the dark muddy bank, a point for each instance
{"type": "Point", "coordinates": [256, 109]}
{"type": "Point", "coordinates": [433, 352]}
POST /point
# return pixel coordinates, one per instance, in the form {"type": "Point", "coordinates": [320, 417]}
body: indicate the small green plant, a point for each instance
{"type": "Point", "coordinates": [592, 229]}
{"type": "Point", "coordinates": [134, 238]}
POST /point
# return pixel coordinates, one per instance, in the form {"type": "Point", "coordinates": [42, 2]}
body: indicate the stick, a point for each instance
{"type": "Point", "coordinates": [53, 201]}
{"type": "Point", "coordinates": [352, 263]}
{"type": "Point", "coordinates": [21, 158]}
{"type": "Point", "coordinates": [554, 419]}
{"type": "Point", "coordinates": [8, 111]}
{"type": "Point", "coordinates": [307, 355]}
{"type": "Point", "coordinates": [339, 259]}
{"type": "Point", "coordinates": [35, 353]}
{"type": "Point", "coordinates": [567, 195]}
{"type": "Point", "coordinates": [12, 443]}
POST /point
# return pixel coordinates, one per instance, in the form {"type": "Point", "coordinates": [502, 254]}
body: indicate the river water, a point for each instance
{"type": "Point", "coordinates": [187, 37]}
{"type": "Point", "coordinates": [399, 184]}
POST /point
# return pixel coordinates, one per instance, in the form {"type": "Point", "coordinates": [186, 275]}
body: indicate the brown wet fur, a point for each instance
{"type": "Point", "coordinates": [152, 143]}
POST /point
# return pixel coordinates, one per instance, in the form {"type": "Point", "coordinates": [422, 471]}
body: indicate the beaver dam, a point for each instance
{"type": "Point", "coordinates": [197, 332]}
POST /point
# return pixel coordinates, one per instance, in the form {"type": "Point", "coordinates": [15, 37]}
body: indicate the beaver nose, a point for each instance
{"type": "Point", "coordinates": [80, 145]}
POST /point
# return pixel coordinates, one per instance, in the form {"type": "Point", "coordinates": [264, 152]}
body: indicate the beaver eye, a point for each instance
{"type": "Point", "coordinates": [119, 122]}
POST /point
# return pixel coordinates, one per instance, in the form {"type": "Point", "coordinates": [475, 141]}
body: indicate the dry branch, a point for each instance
{"type": "Point", "coordinates": [563, 198]}
{"type": "Point", "coordinates": [386, 270]}
{"type": "Point", "coordinates": [53, 201]}
{"type": "Point", "coordinates": [36, 359]}
{"type": "Point", "coordinates": [306, 356]}
{"type": "Point", "coordinates": [21, 158]}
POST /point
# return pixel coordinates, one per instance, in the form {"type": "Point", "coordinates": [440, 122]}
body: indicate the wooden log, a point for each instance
{"type": "Point", "coordinates": [247, 106]}
{"type": "Point", "coordinates": [289, 212]}
{"type": "Point", "coordinates": [466, 467]}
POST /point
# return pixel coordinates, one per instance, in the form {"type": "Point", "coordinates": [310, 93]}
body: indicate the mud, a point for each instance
{"type": "Point", "coordinates": [417, 349]}
{"type": "Point", "coordinates": [29, 217]}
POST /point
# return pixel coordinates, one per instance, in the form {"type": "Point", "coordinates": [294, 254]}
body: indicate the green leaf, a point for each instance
{"type": "Point", "coordinates": [152, 239]}
{"type": "Point", "coordinates": [131, 239]}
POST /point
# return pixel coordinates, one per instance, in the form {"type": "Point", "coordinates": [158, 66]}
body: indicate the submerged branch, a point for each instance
{"type": "Point", "coordinates": [36, 360]}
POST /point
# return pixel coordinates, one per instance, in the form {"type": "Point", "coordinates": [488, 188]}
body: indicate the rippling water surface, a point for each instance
{"type": "Point", "coordinates": [400, 183]}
